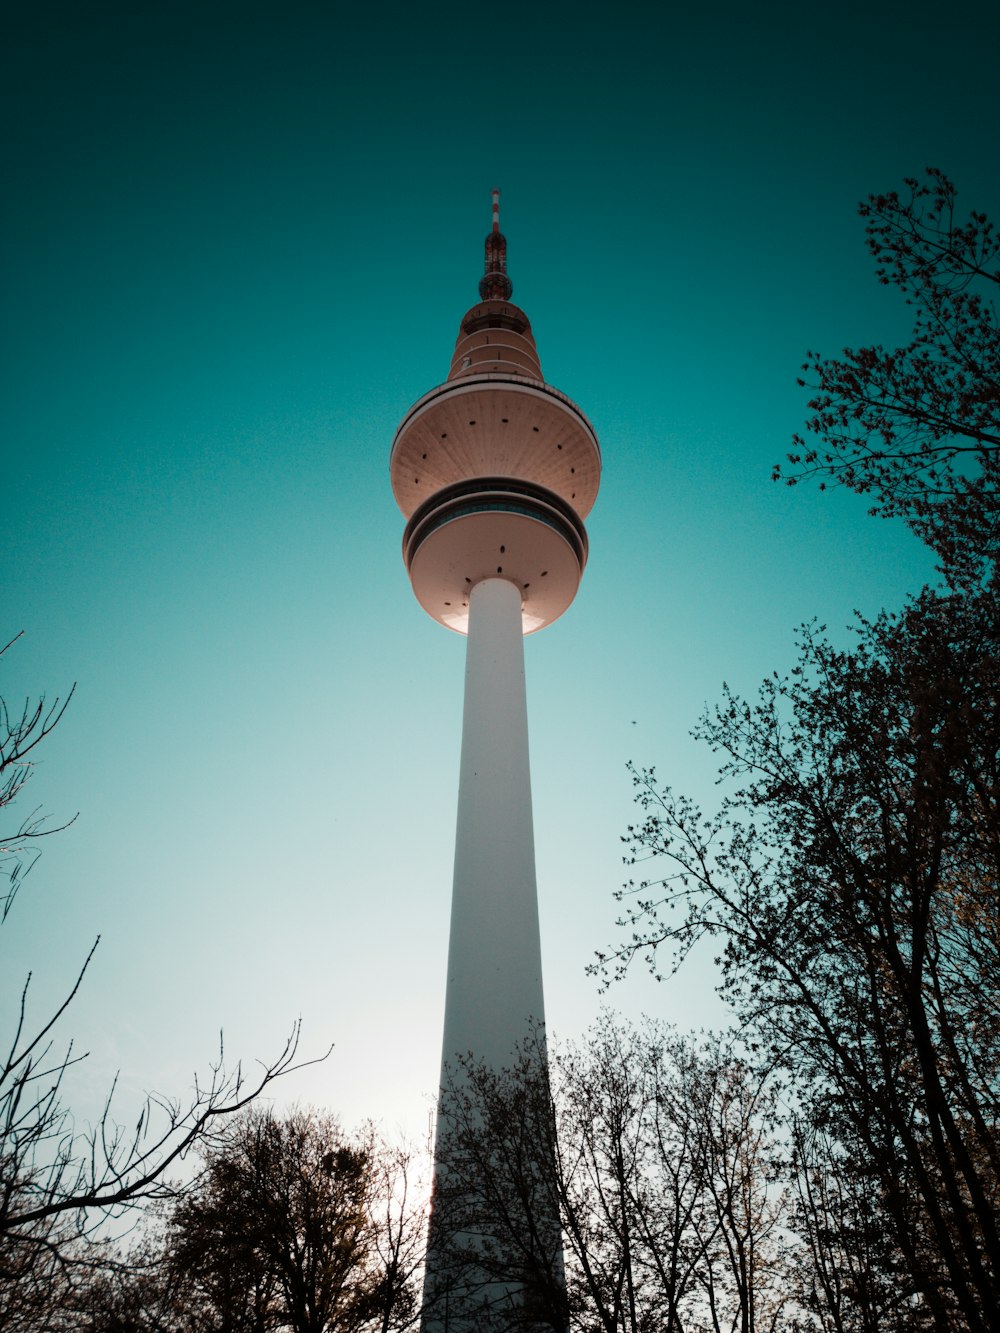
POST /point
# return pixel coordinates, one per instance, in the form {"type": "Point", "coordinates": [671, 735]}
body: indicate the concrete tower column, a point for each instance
{"type": "Point", "coordinates": [493, 1003]}
{"type": "Point", "coordinates": [494, 989]}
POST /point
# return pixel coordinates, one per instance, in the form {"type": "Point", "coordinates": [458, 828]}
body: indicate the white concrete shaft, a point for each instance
{"type": "Point", "coordinates": [494, 956]}
{"type": "Point", "coordinates": [494, 993]}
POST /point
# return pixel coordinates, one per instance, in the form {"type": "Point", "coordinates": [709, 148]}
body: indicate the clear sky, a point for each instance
{"type": "Point", "coordinates": [236, 245]}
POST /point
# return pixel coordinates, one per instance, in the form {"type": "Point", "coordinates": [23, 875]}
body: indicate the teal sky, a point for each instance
{"type": "Point", "coordinates": [236, 245]}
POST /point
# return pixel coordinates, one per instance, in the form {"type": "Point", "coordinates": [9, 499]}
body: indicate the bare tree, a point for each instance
{"type": "Point", "coordinates": [852, 1277]}
{"type": "Point", "coordinates": [399, 1232]}
{"type": "Point", "coordinates": [665, 1187]}
{"type": "Point", "coordinates": [853, 878]}
{"type": "Point", "coordinates": [58, 1184]}
{"type": "Point", "coordinates": [292, 1225]}
{"type": "Point", "coordinates": [853, 873]}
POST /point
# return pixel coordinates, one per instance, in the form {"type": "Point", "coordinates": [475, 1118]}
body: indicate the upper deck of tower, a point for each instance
{"type": "Point", "coordinates": [495, 416]}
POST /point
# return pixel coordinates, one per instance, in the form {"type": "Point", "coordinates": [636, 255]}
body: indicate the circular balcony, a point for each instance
{"type": "Point", "coordinates": [495, 424]}
{"type": "Point", "coordinates": [495, 527]}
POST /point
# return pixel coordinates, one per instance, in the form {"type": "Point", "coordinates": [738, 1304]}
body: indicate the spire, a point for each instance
{"type": "Point", "coordinates": [495, 285]}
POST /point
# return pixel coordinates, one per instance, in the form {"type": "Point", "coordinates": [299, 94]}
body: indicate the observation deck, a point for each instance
{"type": "Point", "coordinates": [495, 470]}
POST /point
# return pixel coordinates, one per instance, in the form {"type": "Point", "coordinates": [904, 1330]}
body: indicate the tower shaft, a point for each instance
{"type": "Point", "coordinates": [494, 984]}
{"type": "Point", "coordinates": [477, 1271]}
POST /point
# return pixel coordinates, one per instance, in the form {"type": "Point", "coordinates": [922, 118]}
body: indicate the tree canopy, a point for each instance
{"type": "Point", "coordinates": [665, 1184]}
{"type": "Point", "coordinates": [917, 427]}
{"type": "Point", "coordinates": [292, 1224]}
{"type": "Point", "coordinates": [852, 873]}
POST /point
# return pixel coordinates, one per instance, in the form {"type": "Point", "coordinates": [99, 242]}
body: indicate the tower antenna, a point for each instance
{"type": "Point", "coordinates": [495, 284]}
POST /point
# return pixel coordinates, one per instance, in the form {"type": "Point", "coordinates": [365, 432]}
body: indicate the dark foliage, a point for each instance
{"type": "Point", "coordinates": [854, 879]}
{"type": "Point", "coordinates": [853, 876]}
{"type": "Point", "coordinates": [918, 427]}
{"type": "Point", "coordinates": [663, 1178]}
{"type": "Point", "coordinates": [291, 1225]}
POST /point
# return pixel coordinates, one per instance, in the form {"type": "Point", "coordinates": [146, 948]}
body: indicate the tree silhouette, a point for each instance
{"type": "Point", "coordinates": [665, 1188]}
{"type": "Point", "coordinates": [291, 1225]}
{"type": "Point", "coordinates": [853, 873]}
{"type": "Point", "coordinates": [917, 427]}
{"type": "Point", "coordinates": [57, 1183]}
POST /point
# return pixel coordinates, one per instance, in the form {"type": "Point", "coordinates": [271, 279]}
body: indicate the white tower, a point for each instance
{"type": "Point", "coordinates": [495, 471]}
